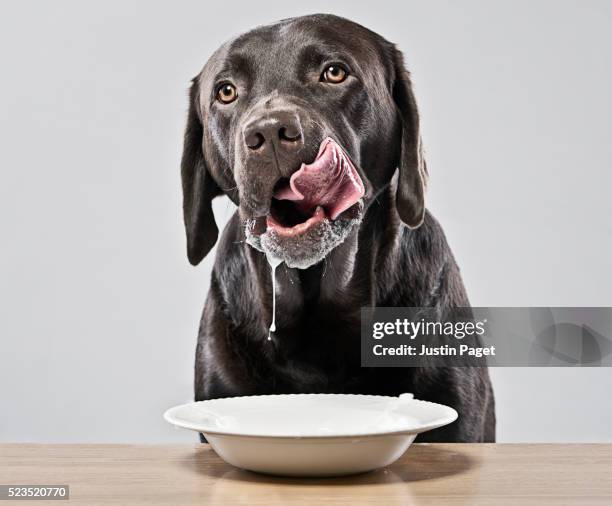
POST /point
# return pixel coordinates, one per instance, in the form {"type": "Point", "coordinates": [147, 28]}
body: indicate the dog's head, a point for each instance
{"type": "Point", "coordinates": [301, 124]}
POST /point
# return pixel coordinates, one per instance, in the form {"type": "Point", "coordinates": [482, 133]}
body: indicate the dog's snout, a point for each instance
{"type": "Point", "coordinates": [281, 129]}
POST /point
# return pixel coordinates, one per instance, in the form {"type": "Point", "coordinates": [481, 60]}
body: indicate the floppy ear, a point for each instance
{"type": "Point", "coordinates": [412, 178]}
{"type": "Point", "coordinates": [199, 188]}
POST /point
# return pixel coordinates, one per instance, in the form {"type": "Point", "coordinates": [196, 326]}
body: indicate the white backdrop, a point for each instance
{"type": "Point", "coordinates": [99, 307]}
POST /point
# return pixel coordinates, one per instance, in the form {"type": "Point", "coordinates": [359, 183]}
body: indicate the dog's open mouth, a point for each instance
{"type": "Point", "coordinates": [322, 190]}
{"type": "Point", "coordinates": [311, 213]}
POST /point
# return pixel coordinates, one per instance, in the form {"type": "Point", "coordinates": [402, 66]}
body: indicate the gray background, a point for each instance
{"type": "Point", "coordinates": [98, 306]}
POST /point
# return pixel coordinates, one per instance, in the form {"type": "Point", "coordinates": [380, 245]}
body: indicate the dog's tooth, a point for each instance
{"type": "Point", "coordinates": [257, 226]}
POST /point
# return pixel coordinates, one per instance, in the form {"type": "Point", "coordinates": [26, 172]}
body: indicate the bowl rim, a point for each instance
{"type": "Point", "coordinates": [444, 419]}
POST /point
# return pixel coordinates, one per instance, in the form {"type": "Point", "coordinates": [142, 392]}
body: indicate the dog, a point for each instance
{"type": "Point", "coordinates": [310, 126]}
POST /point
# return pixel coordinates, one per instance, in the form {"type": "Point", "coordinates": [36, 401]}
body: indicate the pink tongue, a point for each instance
{"type": "Point", "coordinates": [331, 181]}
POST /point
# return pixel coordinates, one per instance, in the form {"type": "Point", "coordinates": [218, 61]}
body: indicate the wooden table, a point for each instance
{"type": "Point", "coordinates": [427, 474]}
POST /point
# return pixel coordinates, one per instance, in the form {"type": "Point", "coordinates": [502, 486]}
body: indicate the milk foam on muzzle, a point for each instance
{"type": "Point", "coordinates": [310, 248]}
{"type": "Point", "coordinates": [321, 191]}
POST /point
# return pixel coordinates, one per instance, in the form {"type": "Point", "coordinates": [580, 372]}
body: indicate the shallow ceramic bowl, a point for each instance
{"type": "Point", "coordinates": [311, 434]}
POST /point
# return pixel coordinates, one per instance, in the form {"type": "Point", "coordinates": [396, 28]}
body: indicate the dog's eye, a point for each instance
{"type": "Point", "coordinates": [334, 74]}
{"type": "Point", "coordinates": [227, 93]}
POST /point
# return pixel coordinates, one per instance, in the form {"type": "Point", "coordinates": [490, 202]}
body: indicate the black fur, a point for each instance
{"type": "Point", "coordinates": [397, 256]}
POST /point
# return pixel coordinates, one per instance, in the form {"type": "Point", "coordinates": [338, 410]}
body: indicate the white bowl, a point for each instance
{"type": "Point", "coordinates": [311, 434]}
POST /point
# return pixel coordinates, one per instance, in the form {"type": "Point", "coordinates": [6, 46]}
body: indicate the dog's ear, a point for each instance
{"type": "Point", "coordinates": [199, 188]}
{"type": "Point", "coordinates": [412, 178]}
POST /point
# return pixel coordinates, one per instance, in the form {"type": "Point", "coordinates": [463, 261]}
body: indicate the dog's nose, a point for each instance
{"type": "Point", "coordinates": [281, 129]}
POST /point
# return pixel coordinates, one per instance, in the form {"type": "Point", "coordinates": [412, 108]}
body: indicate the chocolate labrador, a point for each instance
{"type": "Point", "coordinates": [310, 127]}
